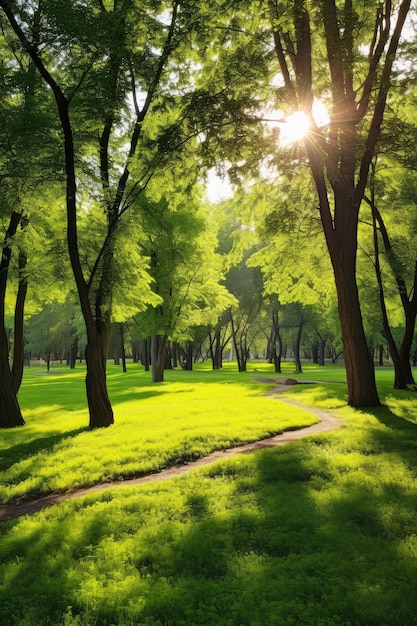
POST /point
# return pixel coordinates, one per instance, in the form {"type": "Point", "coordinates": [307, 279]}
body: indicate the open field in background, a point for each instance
{"type": "Point", "coordinates": [322, 532]}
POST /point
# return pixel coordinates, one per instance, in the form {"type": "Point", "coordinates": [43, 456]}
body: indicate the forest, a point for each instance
{"type": "Point", "coordinates": [208, 301]}
{"type": "Point", "coordinates": [115, 114]}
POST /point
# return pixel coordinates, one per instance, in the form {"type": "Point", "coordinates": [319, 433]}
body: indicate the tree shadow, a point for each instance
{"type": "Point", "coordinates": [21, 451]}
{"type": "Point", "coordinates": [302, 535]}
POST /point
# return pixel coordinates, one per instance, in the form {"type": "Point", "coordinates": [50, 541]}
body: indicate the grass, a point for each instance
{"type": "Point", "coordinates": [322, 532]}
{"type": "Point", "coordinates": [156, 426]}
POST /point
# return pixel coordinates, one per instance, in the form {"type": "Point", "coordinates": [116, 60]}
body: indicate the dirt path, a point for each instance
{"type": "Point", "coordinates": [326, 422]}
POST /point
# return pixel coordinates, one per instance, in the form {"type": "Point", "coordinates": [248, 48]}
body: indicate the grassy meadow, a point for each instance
{"type": "Point", "coordinates": [321, 532]}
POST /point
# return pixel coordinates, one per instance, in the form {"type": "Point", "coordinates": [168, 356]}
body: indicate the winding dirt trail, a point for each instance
{"type": "Point", "coordinates": [326, 423]}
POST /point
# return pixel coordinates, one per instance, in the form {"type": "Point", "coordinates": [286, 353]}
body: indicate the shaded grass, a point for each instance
{"type": "Point", "coordinates": [322, 532]}
{"type": "Point", "coordinates": [156, 426]}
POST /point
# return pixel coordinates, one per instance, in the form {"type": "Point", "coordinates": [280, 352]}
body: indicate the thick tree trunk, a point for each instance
{"type": "Point", "coordinates": [100, 409]}
{"type": "Point", "coordinates": [360, 371]}
{"type": "Point", "coordinates": [158, 346]}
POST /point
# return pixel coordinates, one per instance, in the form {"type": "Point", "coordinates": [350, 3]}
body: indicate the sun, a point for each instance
{"type": "Point", "coordinates": [295, 128]}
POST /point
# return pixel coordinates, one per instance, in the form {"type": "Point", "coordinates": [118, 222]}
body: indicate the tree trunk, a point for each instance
{"type": "Point", "coordinates": [19, 340]}
{"type": "Point", "coordinates": [322, 347]}
{"type": "Point", "coordinates": [217, 363]}
{"type": "Point", "coordinates": [122, 346]}
{"type": "Point", "coordinates": [100, 409]}
{"type": "Point", "coordinates": [158, 346]}
{"type": "Point", "coordinates": [10, 414]}
{"type": "Point", "coordinates": [296, 347]}
{"type": "Point", "coordinates": [145, 354]}
{"type": "Point", "coordinates": [360, 371]}
{"type": "Point", "coordinates": [73, 353]}
{"type": "Point", "coordinates": [407, 340]}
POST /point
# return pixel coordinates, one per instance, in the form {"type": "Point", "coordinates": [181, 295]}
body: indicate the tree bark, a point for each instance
{"type": "Point", "coordinates": [10, 414]}
{"type": "Point", "coordinates": [360, 371]}
{"type": "Point", "coordinates": [297, 343]}
{"type": "Point", "coordinates": [122, 346]}
{"type": "Point", "coordinates": [101, 412]}
{"type": "Point", "coordinates": [158, 347]}
{"type": "Point", "coordinates": [18, 335]}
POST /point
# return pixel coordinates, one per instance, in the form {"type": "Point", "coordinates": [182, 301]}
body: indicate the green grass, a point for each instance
{"type": "Point", "coordinates": [322, 532]}
{"type": "Point", "coordinates": [156, 426]}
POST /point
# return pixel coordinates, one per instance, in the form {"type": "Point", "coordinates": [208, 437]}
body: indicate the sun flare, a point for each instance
{"type": "Point", "coordinates": [295, 128]}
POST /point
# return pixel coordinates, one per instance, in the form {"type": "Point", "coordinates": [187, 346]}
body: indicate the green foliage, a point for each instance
{"type": "Point", "coordinates": [322, 531]}
{"type": "Point", "coordinates": [180, 242]}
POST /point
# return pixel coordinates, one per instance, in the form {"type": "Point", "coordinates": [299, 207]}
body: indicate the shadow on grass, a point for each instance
{"type": "Point", "coordinates": [313, 534]}
{"type": "Point", "coordinates": [21, 451]}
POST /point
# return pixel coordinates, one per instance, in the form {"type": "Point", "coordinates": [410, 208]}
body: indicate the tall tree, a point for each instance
{"type": "Point", "coordinates": [108, 66]}
{"type": "Point", "coordinates": [340, 155]}
{"type": "Point", "coordinates": [185, 269]}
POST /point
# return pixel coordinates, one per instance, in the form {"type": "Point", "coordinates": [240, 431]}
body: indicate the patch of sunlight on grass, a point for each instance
{"type": "Point", "coordinates": [404, 407]}
{"type": "Point", "coordinates": [155, 426]}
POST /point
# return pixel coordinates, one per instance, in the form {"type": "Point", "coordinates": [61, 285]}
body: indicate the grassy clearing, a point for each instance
{"type": "Point", "coordinates": [322, 532]}
{"type": "Point", "coordinates": [157, 426]}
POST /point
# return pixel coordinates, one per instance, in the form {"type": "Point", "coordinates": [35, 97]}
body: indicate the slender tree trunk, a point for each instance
{"type": "Point", "coordinates": [145, 354]}
{"type": "Point", "coordinates": [381, 354]}
{"type": "Point", "coordinates": [322, 347]}
{"type": "Point", "coordinates": [158, 347]}
{"type": "Point", "coordinates": [122, 346]}
{"type": "Point", "coordinates": [218, 351]}
{"type": "Point", "coordinates": [399, 382]}
{"type": "Point", "coordinates": [19, 340]}
{"type": "Point", "coordinates": [73, 352]}
{"type": "Point", "coordinates": [296, 346]}
{"type": "Point", "coordinates": [174, 354]}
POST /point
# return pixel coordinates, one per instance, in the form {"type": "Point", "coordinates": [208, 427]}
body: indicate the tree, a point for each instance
{"type": "Point", "coordinates": [97, 59]}
{"type": "Point", "coordinates": [339, 156]}
{"type": "Point", "coordinates": [186, 273]}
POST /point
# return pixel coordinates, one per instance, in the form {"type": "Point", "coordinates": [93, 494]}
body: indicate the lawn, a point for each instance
{"type": "Point", "coordinates": [321, 532]}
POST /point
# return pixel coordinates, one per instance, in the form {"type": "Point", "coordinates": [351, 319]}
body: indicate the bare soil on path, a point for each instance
{"type": "Point", "coordinates": [326, 423]}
